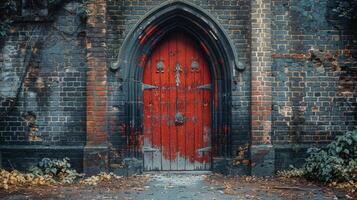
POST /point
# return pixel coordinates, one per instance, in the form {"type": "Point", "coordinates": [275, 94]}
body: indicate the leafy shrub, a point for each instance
{"type": "Point", "coordinates": [338, 163]}
{"type": "Point", "coordinates": [322, 166]}
{"type": "Point", "coordinates": [344, 146]}
{"type": "Point", "coordinates": [59, 170]}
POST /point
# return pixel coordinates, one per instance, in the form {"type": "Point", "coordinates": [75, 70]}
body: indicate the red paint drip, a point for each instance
{"type": "Point", "coordinates": [172, 96]}
{"type": "Point", "coordinates": [205, 48]}
{"type": "Point", "coordinates": [146, 34]}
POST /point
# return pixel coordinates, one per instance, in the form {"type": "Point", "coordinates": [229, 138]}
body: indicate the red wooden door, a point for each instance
{"type": "Point", "coordinates": [177, 106]}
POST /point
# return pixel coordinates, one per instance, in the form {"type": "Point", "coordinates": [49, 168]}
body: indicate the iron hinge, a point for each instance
{"type": "Point", "coordinates": [205, 149]}
{"type": "Point", "coordinates": [205, 87]}
{"type": "Point", "coordinates": [150, 149]}
{"type": "Point", "coordinates": [149, 87]}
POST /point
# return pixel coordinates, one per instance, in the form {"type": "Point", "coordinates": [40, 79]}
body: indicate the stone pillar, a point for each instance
{"type": "Point", "coordinates": [262, 151]}
{"type": "Point", "coordinates": [96, 149]}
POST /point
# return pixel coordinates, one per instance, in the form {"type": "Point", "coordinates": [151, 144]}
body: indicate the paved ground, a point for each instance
{"type": "Point", "coordinates": [177, 186]}
{"type": "Point", "coordinates": [172, 186]}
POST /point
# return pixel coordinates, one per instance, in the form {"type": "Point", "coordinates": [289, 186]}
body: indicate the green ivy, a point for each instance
{"type": "Point", "coordinates": [344, 146]}
{"type": "Point", "coordinates": [337, 163]}
{"type": "Point", "coordinates": [57, 169]}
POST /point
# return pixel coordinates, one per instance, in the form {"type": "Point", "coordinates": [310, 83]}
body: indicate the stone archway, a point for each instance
{"type": "Point", "coordinates": [222, 59]}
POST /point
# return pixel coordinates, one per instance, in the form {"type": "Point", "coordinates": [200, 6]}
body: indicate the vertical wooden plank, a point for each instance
{"type": "Point", "coordinates": [173, 98]}
{"type": "Point", "coordinates": [178, 144]}
{"type": "Point", "coordinates": [187, 116]}
{"type": "Point", "coordinates": [147, 101]}
{"type": "Point", "coordinates": [181, 102]}
{"type": "Point", "coordinates": [156, 110]}
{"type": "Point", "coordinates": [165, 105]}
{"type": "Point", "coordinates": [196, 111]}
{"type": "Point", "coordinates": [190, 130]}
{"type": "Point", "coordinates": [198, 106]}
{"type": "Point", "coordinates": [201, 152]}
{"type": "Point", "coordinates": [206, 117]}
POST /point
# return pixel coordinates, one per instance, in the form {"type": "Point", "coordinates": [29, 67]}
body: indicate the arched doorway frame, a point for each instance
{"type": "Point", "coordinates": [219, 49]}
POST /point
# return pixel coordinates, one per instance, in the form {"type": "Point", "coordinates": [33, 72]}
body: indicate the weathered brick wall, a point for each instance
{"type": "Point", "coordinates": [96, 150]}
{"type": "Point", "coordinates": [261, 72]}
{"type": "Point", "coordinates": [232, 15]}
{"type": "Point", "coordinates": [49, 57]}
{"type": "Point", "coordinates": [96, 73]}
{"type": "Point", "coordinates": [314, 75]}
{"type": "Point", "coordinates": [298, 87]}
{"type": "Point", "coordinates": [262, 151]}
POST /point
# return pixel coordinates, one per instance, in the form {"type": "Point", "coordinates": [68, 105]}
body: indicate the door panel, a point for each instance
{"type": "Point", "coordinates": [177, 106]}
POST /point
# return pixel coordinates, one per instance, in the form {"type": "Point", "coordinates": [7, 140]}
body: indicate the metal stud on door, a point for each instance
{"type": "Point", "coordinates": [177, 106]}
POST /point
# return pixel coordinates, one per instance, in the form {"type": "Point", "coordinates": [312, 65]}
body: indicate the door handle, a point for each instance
{"type": "Point", "coordinates": [204, 149]}
{"type": "Point", "coordinates": [179, 119]}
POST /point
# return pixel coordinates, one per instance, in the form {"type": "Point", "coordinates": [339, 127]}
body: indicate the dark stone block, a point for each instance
{"type": "Point", "coordinates": [262, 160]}
{"type": "Point", "coordinates": [220, 164]}
{"type": "Point", "coordinates": [95, 159]}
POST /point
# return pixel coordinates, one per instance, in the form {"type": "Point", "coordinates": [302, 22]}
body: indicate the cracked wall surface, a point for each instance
{"type": "Point", "coordinates": [43, 80]}
{"type": "Point", "coordinates": [314, 77]}
{"type": "Point", "coordinates": [58, 99]}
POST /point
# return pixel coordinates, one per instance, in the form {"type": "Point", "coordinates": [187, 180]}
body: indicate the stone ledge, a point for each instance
{"type": "Point", "coordinates": [131, 167]}
{"type": "Point", "coordinates": [263, 160]}
{"type": "Point", "coordinates": [95, 159]}
{"type": "Point", "coordinates": [225, 166]}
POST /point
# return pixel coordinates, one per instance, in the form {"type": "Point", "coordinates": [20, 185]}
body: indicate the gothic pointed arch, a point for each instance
{"type": "Point", "coordinates": [214, 42]}
{"type": "Point", "coordinates": [170, 15]}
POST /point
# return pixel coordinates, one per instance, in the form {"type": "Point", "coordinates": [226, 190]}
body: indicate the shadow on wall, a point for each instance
{"type": "Point", "coordinates": [315, 98]}
{"type": "Point", "coordinates": [342, 14]}
{"type": "Point", "coordinates": [44, 73]}
{"type": "Point", "coordinates": [316, 90]}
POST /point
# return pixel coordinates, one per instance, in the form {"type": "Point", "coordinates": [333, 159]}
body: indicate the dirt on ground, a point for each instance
{"type": "Point", "coordinates": [103, 190]}
{"type": "Point", "coordinates": [189, 185]}
{"type": "Point", "coordinates": [250, 187]}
